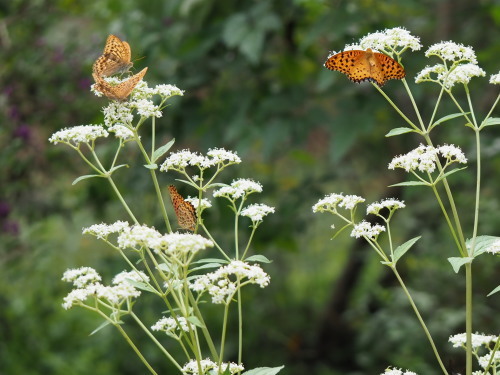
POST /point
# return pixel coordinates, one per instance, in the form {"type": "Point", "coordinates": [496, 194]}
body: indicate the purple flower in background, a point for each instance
{"type": "Point", "coordinates": [4, 209]}
{"type": "Point", "coordinates": [22, 131]}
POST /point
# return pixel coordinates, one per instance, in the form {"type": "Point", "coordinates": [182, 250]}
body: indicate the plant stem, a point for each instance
{"type": "Point", "coordinates": [419, 317]}
{"type": "Point", "coordinates": [125, 205]}
{"type": "Point", "coordinates": [468, 318]}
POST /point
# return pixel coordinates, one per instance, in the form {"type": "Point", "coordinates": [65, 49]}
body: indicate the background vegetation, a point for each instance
{"type": "Point", "coordinates": [254, 82]}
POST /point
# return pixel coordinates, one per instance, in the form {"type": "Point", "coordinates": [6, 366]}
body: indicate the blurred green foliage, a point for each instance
{"type": "Point", "coordinates": [254, 82]}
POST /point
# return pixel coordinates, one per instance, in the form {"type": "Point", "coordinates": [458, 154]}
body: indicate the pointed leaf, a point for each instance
{"type": "Point", "coordinates": [211, 260]}
{"type": "Point", "coordinates": [448, 117]}
{"type": "Point", "coordinates": [402, 249]}
{"type": "Point", "coordinates": [410, 183]}
{"type": "Point", "coordinates": [104, 324]}
{"type": "Point", "coordinates": [449, 172]}
{"type": "Point", "coordinates": [397, 131]}
{"type": "Point", "coordinates": [258, 258]}
{"type": "Point", "coordinates": [141, 285]}
{"type": "Point", "coordinates": [195, 321]}
{"type": "Point", "coordinates": [456, 263]}
{"type": "Point", "coordinates": [494, 291]}
{"type": "Point", "coordinates": [491, 121]}
{"type": "Point", "coordinates": [151, 166]}
{"type": "Point", "coordinates": [264, 371]}
{"type": "Point", "coordinates": [483, 243]}
{"type": "Point", "coordinates": [77, 180]}
{"type": "Point", "coordinates": [206, 265]}
{"type": "Point", "coordinates": [117, 167]}
{"type": "Point", "coordinates": [159, 152]}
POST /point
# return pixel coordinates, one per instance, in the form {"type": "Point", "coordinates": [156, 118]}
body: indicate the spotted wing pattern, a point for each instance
{"type": "Point", "coordinates": [122, 90]}
{"type": "Point", "coordinates": [114, 59]}
{"type": "Point", "coordinates": [184, 210]}
{"type": "Point", "coordinates": [361, 65]}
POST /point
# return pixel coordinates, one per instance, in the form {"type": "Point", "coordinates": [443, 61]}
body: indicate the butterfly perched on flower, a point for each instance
{"type": "Point", "coordinates": [114, 59]}
{"type": "Point", "coordinates": [184, 210]}
{"type": "Point", "coordinates": [120, 91]}
{"type": "Point", "coordinates": [361, 65]}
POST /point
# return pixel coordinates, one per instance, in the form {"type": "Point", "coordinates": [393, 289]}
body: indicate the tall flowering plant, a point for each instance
{"type": "Point", "coordinates": [169, 264]}
{"type": "Point", "coordinates": [429, 165]}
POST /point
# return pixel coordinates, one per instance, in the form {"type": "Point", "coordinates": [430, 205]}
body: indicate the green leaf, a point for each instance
{"type": "Point", "coordinates": [211, 260]}
{"type": "Point", "coordinates": [258, 258]}
{"type": "Point", "coordinates": [151, 166]}
{"type": "Point", "coordinates": [159, 152]}
{"type": "Point", "coordinates": [141, 285]}
{"type": "Point", "coordinates": [397, 131]}
{"type": "Point", "coordinates": [494, 291]}
{"type": "Point", "coordinates": [77, 180]}
{"type": "Point", "coordinates": [491, 121]}
{"type": "Point", "coordinates": [207, 265]}
{"type": "Point", "coordinates": [456, 263]}
{"type": "Point", "coordinates": [264, 371]}
{"type": "Point", "coordinates": [195, 321]}
{"type": "Point", "coordinates": [104, 324]}
{"type": "Point", "coordinates": [410, 183]}
{"type": "Point", "coordinates": [402, 249]}
{"type": "Point", "coordinates": [448, 173]}
{"type": "Point", "coordinates": [482, 244]}
{"type": "Point", "coordinates": [448, 117]}
{"type": "Point", "coordinates": [117, 167]}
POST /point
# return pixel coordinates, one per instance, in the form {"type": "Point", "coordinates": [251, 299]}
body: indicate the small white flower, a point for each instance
{"type": "Point", "coordinates": [422, 158]}
{"type": "Point", "coordinates": [179, 160]}
{"type": "Point", "coordinates": [238, 189]}
{"type": "Point", "coordinates": [427, 73]}
{"type": "Point", "coordinates": [138, 235]}
{"type": "Point", "coordinates": [117, 294]}
{"type": "Point", "coordinates": [453, 52]}
{"type": "Point", "coordinates": [78, 134]}
{"type": "Point", "coordinates": [485, 360]}
{"type": "Point", "coordinates": [166, 91]}
{"type": "Point", "coordinates": [350, 201]}
{"type": "Point", "coordinates": [330, 202]}
{"type": "Point", "coordinates": [121, 132]}
{"type": "Point", "coordinates": [102, 231]}
{"type": "Point", "coordinates": [222, 156]}
{"type": "Point", "coordinates": [391, 204]}
{"type": "Point", "coordinates": [118, 113]}
{"type": "Point", "coordinates": [477, 340]}
{"type": "Point", "coordinates": [222, 288]}
{"type": "Point", "coordinates": [81, 277]}
{"type": "Point", "coordinates": [365, 229]}
{"type": "Point", "coordinates": [395, 371]}
{"type": "Point", "coordinates": [192, 368]}
{"type": "Point", "coordinates": [122, 277]}
{"type": "Point", "coordinates": [195, 201]}
{"type": "Point", "coordinates": [146, 108]}
{"type": "Point", "coordinates": [256, 212]}
{"type": "Point", "coordinates": [463, 73]}
{"type": "Point", "coordinates": [495, 79]}
{"type": "Point", "coordinates": [452, 154]}
{"type": "Point", "coordinates": [77, 296]}
{"type": "Point", "coordinates": [170, 325]}
{"type": "Point", "coordinates": [391, 39]}
{"type": "Point", "coordinates": [494, 248]}
{"type": "Point", "coordinates": [179, 243]}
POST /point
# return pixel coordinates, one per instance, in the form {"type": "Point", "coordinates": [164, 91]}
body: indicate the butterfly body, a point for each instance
{"type": "Point", "coordinates": [368, 65]}
{"type": "Point", "coordinates": [114, 59]}
{"type": "Point", "coordinates": [184, 210]}
{"type": "Point", "coordinates": [122, 90]}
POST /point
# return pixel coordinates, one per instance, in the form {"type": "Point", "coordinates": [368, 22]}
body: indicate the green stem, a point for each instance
{"type": "Point", "coordinates": [223, 334]}
{"type": "Point", "coordinates": [254, 228]}
{"type": "Point", "coordinates": [415, 107]}
{"type": "Point", "coordinates": [240, 325]}
{"type": "Point", "coordinates": [419, 317]}
{"type": "Point", "coordinates": [396, 108]}
{"type": "Point", "coordinates": [125, 205]}
{"type": "Point", "coordinates": [468, 318]}
{"type": "Point", "coordinates": [204, 328]}
{"type": "Point", "coordinates": [136, 350]}
{"type": "Point", "coordinates": [151, 336]}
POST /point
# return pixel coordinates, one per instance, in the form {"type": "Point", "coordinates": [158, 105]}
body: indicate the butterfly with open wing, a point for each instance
{"type": "Point", "coordinates": [122, 90]}
{"type": "Point", "coordinates": [361, 65]}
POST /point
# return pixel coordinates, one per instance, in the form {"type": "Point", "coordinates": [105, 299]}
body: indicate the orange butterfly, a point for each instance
{"type": "Point", "coordinates": [361, 65]}
{"type": "Point", "coordinates": [120, 91]}
{"type": "Point", "coordinates": [114, 59]}
{"type": "Point", "coordinates": [184, 210]}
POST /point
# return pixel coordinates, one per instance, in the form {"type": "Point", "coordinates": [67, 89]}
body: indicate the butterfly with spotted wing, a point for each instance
{"type": "Point", "coordinates": [184, 210]}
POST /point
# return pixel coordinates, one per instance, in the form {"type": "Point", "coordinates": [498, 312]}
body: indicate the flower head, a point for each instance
{"type": "Point", "coordinates": [454, 52]}
{"type": "Point", "coordinates": [478, 340]}
{"type": "Point", "coordinates": [463, 73]}
{"type": "Point", "coordinates": [102, 231]}
{"type": "Point", "coordinates": [495, 79]}
{"type": "Point", "coordinates": [391, 204]}
{"type": "Point", "coordinates": [330, 202]}
{"type": "Point", "coordinates": [256, 212]}
{"type": "Point", "coordinates": [365, 229]}
{"type": "Point", "coordinates": [397, 38]}
{"type": "Point", "coordinates": [395, 371]}
{"type": "Point", "coordinates": [239, 188]}
{"type": "Point", "coordinates": [81, 277]}
{"type": "Point", "coordinates": [169, 325]}
{"type": "Point", "coordinates": [78, 134]}
{"type": "Point", "coordinates": [208, 367]}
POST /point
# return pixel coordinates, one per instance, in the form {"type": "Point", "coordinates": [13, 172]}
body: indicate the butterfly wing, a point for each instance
{"type": "Point", "coordinates": [344, 61]}
{"type": "Point", "coordinates": [114, 59]}
{"type": "Point", "coordinates": [184, 210]}
{"type": "Point", "coordinates": [120, 91]}
{"type": "Point", "coordinates": [390, 68]}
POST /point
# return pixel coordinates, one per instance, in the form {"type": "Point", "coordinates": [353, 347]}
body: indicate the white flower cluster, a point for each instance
{"type": "Point", "coordinates": [365, 229]}
{"type": "Point", "coordinates": [208, 367]}
{"type": "Point", "coordinates": [424, 158]}
{"type": "Point", "coordinates": [256, 212]}
{"type": "Point", "coordinates": [169, 325]}
{"type": "Point", "coordinates": [485, 360]}
{"type": "Point", "coordinates": [86, 280]}
{"type": "Point", "coordinates": [219, 157]}
{"type": "Point", "coordinates": [454, 52]}
{"type": "Point", "coordinates": [330, 202]}
{"type": "Point", "coordinates": [462, 73]}
{"type": "Point", "coordinates": [494, 248]}
{"type": "Point", "coordinates": [395, 371]}
{"type": "Point", "coordinates": [391, 204]}
{"type": "Point", "coordinates": [222, 288]}
{"type": "Point", "coordinates": [239, 188]}
{"type": "Point", "coordinates": [397, 38]}
{"type": "Point", "coordinates": [195, 201]}
{"type": "Point", "coordinates": [118, 113]}
{"type": "Point", "coordinates": [102, 231]}
{"type": "Point", "coordinates": [78, 134]}
{"type": "Point", "coordinates": [495, 79]}
{"type": "Point", "coordinates": [478, 339]}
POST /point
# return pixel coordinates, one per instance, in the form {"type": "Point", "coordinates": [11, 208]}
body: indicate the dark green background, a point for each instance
{"type": "Point", "coordinates": [254, 82]}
